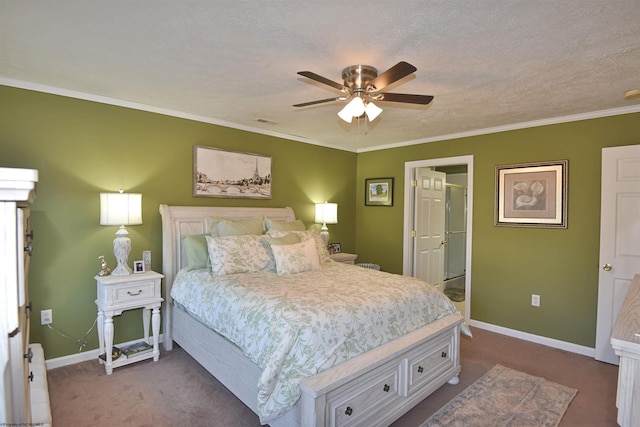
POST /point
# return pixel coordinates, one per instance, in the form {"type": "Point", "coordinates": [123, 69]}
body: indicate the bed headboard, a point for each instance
{"type": "Point", "coordinates": [178, 221]}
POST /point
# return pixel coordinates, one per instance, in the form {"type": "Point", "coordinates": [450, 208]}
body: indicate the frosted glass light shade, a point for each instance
{"type": "Point", "coordinates": [373, 111]}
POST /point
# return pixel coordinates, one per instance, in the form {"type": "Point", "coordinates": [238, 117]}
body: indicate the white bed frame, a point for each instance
{"type": "Point", "coordinates": [375, 388]}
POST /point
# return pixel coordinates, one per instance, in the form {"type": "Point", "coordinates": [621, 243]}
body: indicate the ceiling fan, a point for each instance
{"type": "Point", "coordinates": [362, 85]}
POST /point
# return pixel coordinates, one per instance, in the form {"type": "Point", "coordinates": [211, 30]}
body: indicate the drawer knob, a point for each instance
{"type": "Point", "coordinates": [132, 294]}
{"type": "Point", "coordinates": [349, 411]}
{"type": "Point", "coordinates": [30, 376]}
{"type": "Point", "coordinates": [386, 388]}
{"type": "Point", "coordinates": [28, 249]}
{"type": "Point", "coordinates": [420, 369]}
{"type": "Point", "coordinates": [29, 355]}
{"type": "Point", "coordinates": [444, 354]}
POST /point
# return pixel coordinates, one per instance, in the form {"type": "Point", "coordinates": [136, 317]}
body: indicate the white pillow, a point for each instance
{"type": "Point", "coordinates": [296, 258]}
{"type": "Point", "coordinates": [237, 254]}
{"type": "Point", "coordinates": [321, 249]}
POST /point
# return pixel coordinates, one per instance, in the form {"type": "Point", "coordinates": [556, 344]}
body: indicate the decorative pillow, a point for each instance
{"type": "Point", "coordinates": [313, 234]}
{"type": "Point", "coordinates": [273, 224]}
{"type": "Point", "coordinates": [195, 248]}
{"type": "Point", "coordinates": [286, 239]}
{"type": "Point", "coordinates": [296, 258]}
{"type": "Point", "coordinates": [221, 227]}
{"type": "Point", "coordinates": [237, 254]}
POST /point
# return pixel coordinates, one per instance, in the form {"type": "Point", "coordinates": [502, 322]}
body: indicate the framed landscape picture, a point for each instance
{"type": "Point", "coordinates": [230, 174]}
{"type": "Point", "coordinates": [532, 195]}
{"type": "Point", "coordinates": [378, 192]}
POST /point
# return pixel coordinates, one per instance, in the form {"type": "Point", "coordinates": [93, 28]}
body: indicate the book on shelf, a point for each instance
{"type": "Point", "coordinates": [115, 354]}
{"type": "Point", "coordinates": [136, 349]}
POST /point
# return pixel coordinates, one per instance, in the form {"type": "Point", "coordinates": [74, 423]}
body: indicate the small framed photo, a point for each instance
{"type": "Point", "coordinates": [334, 248]}
{"type": "Point", "coordinates": [138, 266]}
{"type": "Point", "coordinates": [532, 195]}
{"type": "Point", "coordinates": [378, 192]}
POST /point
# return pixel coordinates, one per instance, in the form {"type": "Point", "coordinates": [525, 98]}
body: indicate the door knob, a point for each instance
{"type": "Point", "coordinates": [607, 267]}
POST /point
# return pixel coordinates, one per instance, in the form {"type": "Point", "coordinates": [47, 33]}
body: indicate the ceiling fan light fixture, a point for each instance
{"type": "Point", "coordinates": [355, 108]}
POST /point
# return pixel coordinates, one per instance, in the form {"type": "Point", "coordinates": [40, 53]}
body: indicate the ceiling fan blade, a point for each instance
{"type": "Point", "coordinates": [320, 101]}
{"type": "Point", "coordinates": [323, 80]}
{"type": "Point", "coordinates": [407, 98]}
{"type": "Point", "coordinates": [393, 74]}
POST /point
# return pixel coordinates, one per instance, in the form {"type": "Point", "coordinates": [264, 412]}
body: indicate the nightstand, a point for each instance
{"type": "Point", "coordinates": [120, 293]}
{"type": "Point", "coordinates": [344, 258]}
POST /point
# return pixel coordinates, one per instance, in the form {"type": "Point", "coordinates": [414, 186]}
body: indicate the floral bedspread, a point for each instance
{"type": "Point", "coordinates": [294, 326]}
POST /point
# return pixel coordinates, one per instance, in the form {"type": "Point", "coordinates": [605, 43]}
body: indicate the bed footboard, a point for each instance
{"type": "Point", "coordinates": [378, 387]}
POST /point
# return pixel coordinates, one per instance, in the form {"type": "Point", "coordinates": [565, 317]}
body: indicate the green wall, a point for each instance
{"type": "Point", "coordinates": [82, 148]}
{"type": "Point", "coordinates": [509, 264]}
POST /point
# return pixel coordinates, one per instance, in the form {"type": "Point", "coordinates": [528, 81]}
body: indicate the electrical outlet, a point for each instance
{"type": "Point", "coordinates": [535, 300]}
{"type": "Point", "coordinates": [46, 317]}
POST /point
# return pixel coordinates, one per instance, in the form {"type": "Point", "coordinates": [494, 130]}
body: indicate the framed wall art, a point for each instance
{"type": "Point", "coordinates": [532, 195]}
{"type": "Point", "coordinates": [230, 174]}
{"type": "Point", "coordinates": [378, 192]}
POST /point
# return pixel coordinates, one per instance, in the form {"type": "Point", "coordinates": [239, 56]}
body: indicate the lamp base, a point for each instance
{"type": "Point", "coordinates": [122, 249]}
{"type": "Point", "coordinates": [324, 235]}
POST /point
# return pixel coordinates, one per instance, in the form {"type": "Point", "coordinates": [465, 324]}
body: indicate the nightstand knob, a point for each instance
{"type": "Point", "coordinates": [349, 411]}
{"type": "Point", "coordinates": [386, 388]}
{"type": "Point", "coordinates": [420, 369]}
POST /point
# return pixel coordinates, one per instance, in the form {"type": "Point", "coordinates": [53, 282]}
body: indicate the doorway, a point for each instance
{"type": "Point", "coordinates": [411, 260]}
{"type": "Point", "coordinates": [455, 254]}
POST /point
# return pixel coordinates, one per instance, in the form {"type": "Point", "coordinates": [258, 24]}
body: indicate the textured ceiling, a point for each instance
{"type": "Point", "coordinates": [490, 65]}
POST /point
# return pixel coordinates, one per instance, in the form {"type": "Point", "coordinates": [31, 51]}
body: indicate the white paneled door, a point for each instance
{"type": "Point", "coordinates": [619, 239]}
{"type": "Point", "coordinates": [430, 237]}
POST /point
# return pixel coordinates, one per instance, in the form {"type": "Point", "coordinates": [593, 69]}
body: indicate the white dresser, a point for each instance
{"type": "Point", "coordinates": [625, 341]}
{"type": "Point", "coordinates": [17, 364]}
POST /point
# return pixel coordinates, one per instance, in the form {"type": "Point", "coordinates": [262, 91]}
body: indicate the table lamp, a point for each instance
{"type": "Point", "coordinates": [121, 209]}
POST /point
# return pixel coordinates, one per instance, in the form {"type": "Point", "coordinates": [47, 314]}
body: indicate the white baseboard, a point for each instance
{"type": "Point", "coordinates": [72, 359]}
{"type": "Point", "coordinates": [549, 342]}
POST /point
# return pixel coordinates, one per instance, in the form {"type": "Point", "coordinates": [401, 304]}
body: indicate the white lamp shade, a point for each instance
{"type": "Point", "coordinates": [120, 208]}
{"type": "Point", "coordinates": [327, 213]}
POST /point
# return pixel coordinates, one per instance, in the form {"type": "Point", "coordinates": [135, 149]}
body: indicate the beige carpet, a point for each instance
{"type": "Point", "coordinates": [506, 397]}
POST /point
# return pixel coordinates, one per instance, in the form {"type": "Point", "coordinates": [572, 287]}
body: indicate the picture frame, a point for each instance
{"type": "Point", "coordinates": [230, 174]}
{"type": "Point", "coordinates": [532, 194]}
{"type": "Point", "coordinates": [334, 248]}
{"type": "Point", "coordinates": [138, 267]}
{"type": "Point", "coordinates": [378, 192]}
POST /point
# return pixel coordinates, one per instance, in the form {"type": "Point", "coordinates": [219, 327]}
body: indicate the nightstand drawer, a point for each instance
{"type": "Point", "coordinates": [118, 292]}
{"type": "Point", "coordinates": [137, 291]}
